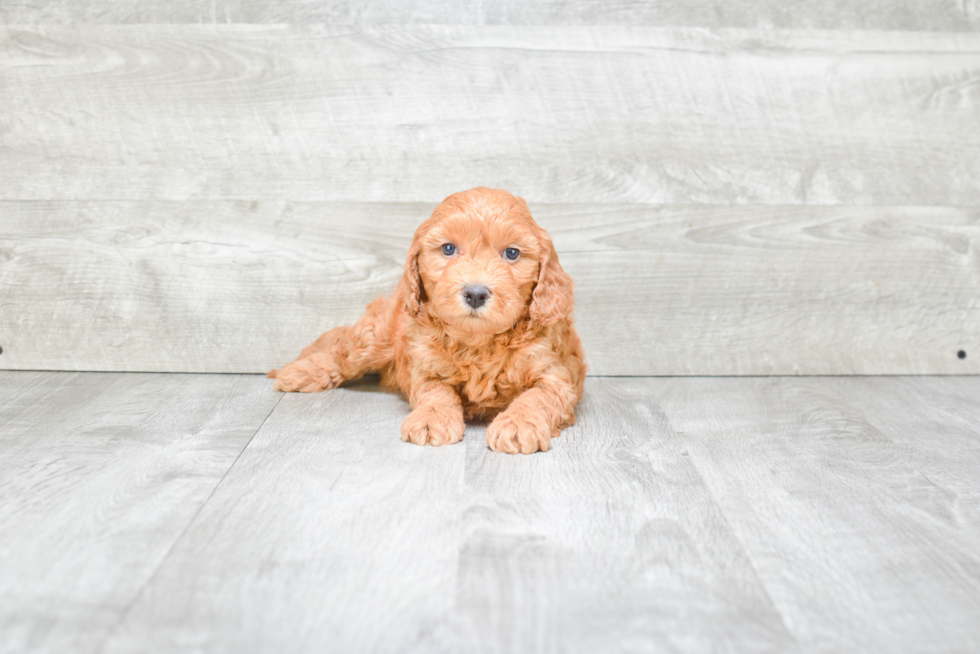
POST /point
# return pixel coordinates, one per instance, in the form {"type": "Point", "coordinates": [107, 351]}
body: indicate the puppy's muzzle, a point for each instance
{"type": "Point", "coordinates": [476, 296]}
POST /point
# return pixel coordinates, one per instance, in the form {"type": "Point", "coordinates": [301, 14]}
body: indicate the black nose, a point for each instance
{"type": "Point", "coordinates": [476, 296]}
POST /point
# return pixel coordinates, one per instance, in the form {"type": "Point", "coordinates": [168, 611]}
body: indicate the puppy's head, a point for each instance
{"type": "Point", "coordinates": [481, 260]}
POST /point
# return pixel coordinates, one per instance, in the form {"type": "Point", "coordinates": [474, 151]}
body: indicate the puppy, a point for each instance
{"type": "Point", "coordinates": [479, 328]}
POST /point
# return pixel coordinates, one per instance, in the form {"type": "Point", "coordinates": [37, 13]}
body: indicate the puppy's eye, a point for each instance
{"type": "Point", "coordinates": [449, 249]}
{"type": "Point", "coordinates": [512, 254]}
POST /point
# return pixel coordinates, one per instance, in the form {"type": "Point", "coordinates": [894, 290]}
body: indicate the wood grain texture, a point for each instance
{"type": "Point", "coordinates": [940, 15]}
{"type": "Point", "coordinates": [947, 410]}
{"type": "Point", "coordinates": [679, 514]}
{"type": "Point", "coordinates": [556, 114]}
{"type": "Point", "coordinates": [101, 475]}
{"type": "Point", "coordinates": [329, 534]}
{"type": "Point", "coordinates": [668, 290]}
{"type": "Point", "coordinates": [609, 543]}
{"type": "Point", "coordinates": [853, 510]}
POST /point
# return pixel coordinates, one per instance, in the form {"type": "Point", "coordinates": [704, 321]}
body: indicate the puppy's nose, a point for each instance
{"type": "Point", "coordinates": [476, 296]}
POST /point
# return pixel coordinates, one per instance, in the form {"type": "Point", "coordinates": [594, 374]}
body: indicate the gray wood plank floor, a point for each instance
{"type": "Point", "coordinates": [100, 475]}
{"type": "Point", "coordinates": [165, 513]}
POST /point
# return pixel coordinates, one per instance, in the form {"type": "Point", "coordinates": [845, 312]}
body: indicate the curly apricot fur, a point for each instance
{"type": "Point", "coordinates": [516, 360]}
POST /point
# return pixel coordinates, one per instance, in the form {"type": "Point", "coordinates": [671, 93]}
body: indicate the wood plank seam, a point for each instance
{"type": "Point", "coordinates": [692, 461]}
{"type": "Point", "coordinates": [149, 580]}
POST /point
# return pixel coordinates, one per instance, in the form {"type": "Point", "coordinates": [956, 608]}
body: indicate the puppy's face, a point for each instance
{"type": "Point", "coordinates": [479, 261]}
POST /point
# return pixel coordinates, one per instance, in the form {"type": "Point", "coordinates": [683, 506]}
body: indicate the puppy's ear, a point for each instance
{"type": "Point", "coordinates": [553, 298]}
{"type": "Point", "coordinates": [413, 292]}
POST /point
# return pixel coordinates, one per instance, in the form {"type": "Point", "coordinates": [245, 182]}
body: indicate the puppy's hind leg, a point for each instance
{"type": "Point", "coordinates": [343, 353]}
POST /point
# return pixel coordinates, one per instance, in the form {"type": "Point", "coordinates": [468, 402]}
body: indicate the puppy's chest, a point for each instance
{"type": "Point", "coordinates": [486, 381]}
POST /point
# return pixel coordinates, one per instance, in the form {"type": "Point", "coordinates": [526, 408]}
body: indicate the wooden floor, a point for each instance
{"type": "Point", "coordinates": [159, 513]}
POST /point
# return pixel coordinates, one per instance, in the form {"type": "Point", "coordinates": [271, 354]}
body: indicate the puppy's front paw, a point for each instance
{"type": "Point", "coordinates": [516, 432]}
{"type": "Point", "coordinates": [433, 425]}
{"type": "Point", "coordinates": [306, 376]}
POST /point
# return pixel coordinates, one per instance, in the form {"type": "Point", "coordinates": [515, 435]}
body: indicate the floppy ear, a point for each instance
{"type": "Point", "coordinates": [553, 298]}
{"type": "Point", "coordinates": [413, 293]}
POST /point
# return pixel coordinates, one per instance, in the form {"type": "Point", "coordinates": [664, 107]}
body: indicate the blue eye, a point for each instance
{"type": "Point", "coordinates": [448, 249]}
{"type": "Point", "coordinates": [512, 254]}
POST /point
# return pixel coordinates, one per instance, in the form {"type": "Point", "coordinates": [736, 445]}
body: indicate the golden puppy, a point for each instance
{"type": "Point", "coordinates": [479, 327]}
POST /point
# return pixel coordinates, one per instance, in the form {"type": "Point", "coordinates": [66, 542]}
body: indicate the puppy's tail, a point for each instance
{"type": "Point", "coordinates": [272, 373]}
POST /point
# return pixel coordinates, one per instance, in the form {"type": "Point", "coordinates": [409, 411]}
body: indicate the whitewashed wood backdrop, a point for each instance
{"type": "Point", "coordinates": [738, 188]}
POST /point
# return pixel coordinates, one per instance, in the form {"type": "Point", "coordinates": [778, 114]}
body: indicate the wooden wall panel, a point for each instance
{"type": "Point", "coordinates": [557, 114]}
{"type": "Point", "coordinates": [672, 290]}
{"type": "Point", "coordinates": [935, 15]}
{"type": "Point", "coordinates": [211, 197]}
